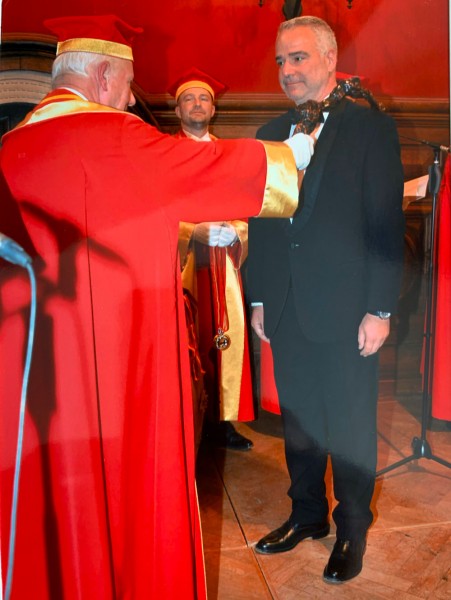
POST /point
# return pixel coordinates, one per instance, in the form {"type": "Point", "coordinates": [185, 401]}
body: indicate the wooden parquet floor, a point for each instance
{"type": "Point", "coordinates": [243, 496]}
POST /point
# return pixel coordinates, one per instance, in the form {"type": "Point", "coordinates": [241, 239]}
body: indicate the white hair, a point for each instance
{"type": "Point", "coordinates": [325, 36]}
{"type": "Point", "coordinates": [74, 62]}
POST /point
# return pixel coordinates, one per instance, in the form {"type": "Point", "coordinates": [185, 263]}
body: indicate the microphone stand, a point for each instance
{"type": "Point", "coordinates": [420, 446]}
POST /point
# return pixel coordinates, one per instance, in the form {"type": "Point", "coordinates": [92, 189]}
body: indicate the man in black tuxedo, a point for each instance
{"type": "Point", "coordinates": [323, 286]}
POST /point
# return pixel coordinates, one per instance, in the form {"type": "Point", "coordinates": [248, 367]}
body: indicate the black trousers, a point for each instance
{"type": "Point", "coordinates": [328, 399]}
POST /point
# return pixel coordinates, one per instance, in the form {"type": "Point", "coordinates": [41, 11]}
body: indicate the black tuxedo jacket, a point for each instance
{"type": "Point", "coordinates": [342, 254]}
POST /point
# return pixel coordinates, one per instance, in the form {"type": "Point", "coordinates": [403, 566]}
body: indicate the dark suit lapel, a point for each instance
{"type": "Point", "coordinates": [314, 172]}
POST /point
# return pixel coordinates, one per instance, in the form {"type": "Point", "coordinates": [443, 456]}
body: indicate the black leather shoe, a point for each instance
{"type": "Point", "coordinates": [224, 435]}
{"type": "Point", "coordinates": [289, 535]}
{"type": "Point", "coordinates": [345, 562]}
{"type": "Point", "coordinates": [236, 441]}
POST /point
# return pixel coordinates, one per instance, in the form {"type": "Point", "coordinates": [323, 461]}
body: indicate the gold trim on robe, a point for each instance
{"type": "Point", "coordinates": [238, 252]}
{"type": "Point", "coordinates": [232, 359]}
{"type": "Point", "coordinates": [281, 183]}
{"type": "Point", "coordinates": [64, 104]}
{"type": "Point", "coordinates": [231, 368]}
{"type": "Point", "coordinates": [185, 233]}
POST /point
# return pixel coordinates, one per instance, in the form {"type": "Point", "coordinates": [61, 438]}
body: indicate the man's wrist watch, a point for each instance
{"type": "Point", "coordinates": [381, 314]}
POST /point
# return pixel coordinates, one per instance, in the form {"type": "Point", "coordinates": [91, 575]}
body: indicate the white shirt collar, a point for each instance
{"type": "Point", "coordinates": [205, 138]}
{"type": "Point", "coordinates": [76, 92]}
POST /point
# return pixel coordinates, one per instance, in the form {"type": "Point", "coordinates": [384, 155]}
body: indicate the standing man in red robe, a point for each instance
{"type": "Point", "coordinates": [107, 504]}
{"type": "Point", "coordinates": [211, 256]}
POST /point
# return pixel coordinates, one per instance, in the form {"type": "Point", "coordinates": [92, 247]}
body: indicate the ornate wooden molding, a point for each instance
{"type": "Point", "coordinates": [25, 72]}
{"type": "Point", "coordinates": [255, 109]}
{"type": "Point", "coordinates": [240, 115]}
{"type": "Point", "coordinates": [23, 86]}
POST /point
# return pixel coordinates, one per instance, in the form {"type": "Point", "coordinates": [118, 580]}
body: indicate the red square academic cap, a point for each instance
{"type": "Point", "coordinates": [102, 34]}
{"type": "Point", "coordinates": [343, 75]}
{"type": "Point", "coordinates": [196, 78]}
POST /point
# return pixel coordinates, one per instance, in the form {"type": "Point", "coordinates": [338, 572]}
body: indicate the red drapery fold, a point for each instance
{"type": "Point", "coordinates": [269, 398]}
{"type": "Point", "coordinates": [441, 382]}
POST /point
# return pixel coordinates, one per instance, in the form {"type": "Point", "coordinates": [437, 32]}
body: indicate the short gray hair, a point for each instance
{"type": "Point", "coordinates": [74, 62]}
{"type": "Point", "coordinates": [325, 36]}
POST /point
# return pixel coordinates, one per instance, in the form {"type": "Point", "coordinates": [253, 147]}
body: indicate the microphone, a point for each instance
{"type": "Point", "coordinates": [12, 252]}
{"type": "Point", "coordinates": [434, 145]}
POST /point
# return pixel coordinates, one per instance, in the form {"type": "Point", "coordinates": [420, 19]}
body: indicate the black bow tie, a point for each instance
{"type": "Point", "coordinates": [309, 114]}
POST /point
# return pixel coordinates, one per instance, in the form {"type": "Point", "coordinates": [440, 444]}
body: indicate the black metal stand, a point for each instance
{"type": "Point", "coordinates": [420, 446]}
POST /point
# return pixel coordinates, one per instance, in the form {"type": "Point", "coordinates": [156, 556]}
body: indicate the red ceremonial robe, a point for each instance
{"type": "Point", "coordinates": [107, 505]}
{"type": "Point", "coordinates": [212, 275]}
{"type": "Point", "coordinates": [441, 377]}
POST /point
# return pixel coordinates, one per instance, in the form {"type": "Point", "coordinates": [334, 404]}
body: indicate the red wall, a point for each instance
{"type": "Point", "coordinates": [401, 46]}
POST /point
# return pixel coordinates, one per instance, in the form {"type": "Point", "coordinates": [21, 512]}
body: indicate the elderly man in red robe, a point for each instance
{"type": "Point", "coordinates": [107, 504]}
{"type": "Point", "coordinates": [211, 254]}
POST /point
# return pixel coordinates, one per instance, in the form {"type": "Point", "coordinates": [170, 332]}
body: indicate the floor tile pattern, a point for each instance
{"type": "Point", "coordinates": [243, 496]}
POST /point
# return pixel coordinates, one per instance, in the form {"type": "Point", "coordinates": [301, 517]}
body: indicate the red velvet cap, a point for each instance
{"type": "Point", "coordinates": [343, 75]}
{"type": "Point", "coordinates": [102, 34]}
{"type": "Point", "coordinates": [196, 78]}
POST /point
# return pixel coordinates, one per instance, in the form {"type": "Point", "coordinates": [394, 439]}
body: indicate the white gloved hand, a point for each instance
{"type": "Point", "coordinates": [227, 235]}
{"type": "Point", "coordinates": [301, 145]}
{"type": "Point", "coordinates": [215, 234]}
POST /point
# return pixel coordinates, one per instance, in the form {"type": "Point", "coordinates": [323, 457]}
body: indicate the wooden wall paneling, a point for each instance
{"type": "Point", "coordinates": [240, 115]}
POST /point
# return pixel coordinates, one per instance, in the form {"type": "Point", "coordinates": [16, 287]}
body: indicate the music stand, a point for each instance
{"type": "Point", "coordinates": [420, 446]}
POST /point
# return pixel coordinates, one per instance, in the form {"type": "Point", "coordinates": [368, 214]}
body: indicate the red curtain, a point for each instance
{"type": "Point", "coordinates": [269, 398]}
{"type": "Point", "coordinates": [441, 383]}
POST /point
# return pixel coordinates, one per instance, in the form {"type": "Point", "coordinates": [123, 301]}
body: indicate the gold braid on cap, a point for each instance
{"type": "Point", "coordinates": [96, 46]}
{"type": "Point", "coordinates": [192, 84]}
